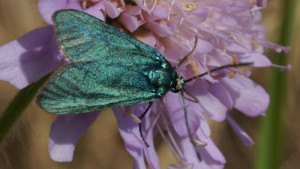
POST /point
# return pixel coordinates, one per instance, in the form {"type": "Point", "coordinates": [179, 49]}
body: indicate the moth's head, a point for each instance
{"type": "Point", "coordinates": [179, 84]}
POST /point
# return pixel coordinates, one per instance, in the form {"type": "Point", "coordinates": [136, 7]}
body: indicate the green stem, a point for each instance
{"type": "Point", "coordinates": [17, 107]}
{"type": "Point", "coordinates": [270, 146]}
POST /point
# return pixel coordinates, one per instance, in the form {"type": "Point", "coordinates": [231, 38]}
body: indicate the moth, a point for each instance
{"type": "Point", "coordinates": [105, 68]}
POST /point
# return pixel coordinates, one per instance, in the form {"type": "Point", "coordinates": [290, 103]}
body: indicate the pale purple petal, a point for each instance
{"type": "Point", "coordinates": [48, 7]}
{"type": "Point", "coordinates": [145, 36]}
{"type": "Point", "coordinates": [175, 109]}
{"type": "Point", "coordinates": [29, 58]}
{"type": "Point", "coordinates": [204, 126]}
{"type": "Point", "coordinates": [248, 97]}
{"type": "Point", "coordinates": [96, 10]}
{"type": "Point", "coordinates": [220, 92]}
{"type": "Point", "coordinates": [211, 148]}
{"type": "Point", "coordinates": [129, 130]}
{"type": "Point", "coordinates": [137, 154]}
{"type": "Point", "coordinates": [233, 47]}
{"type": "Point", "coordinates": [199, 15]}
{"type": "Point", "coordinates": [129, 22]}
{"type": "Point", "coordinates": [65, 133]}
{"type": "Point", "coordinates": [213, 108]}
{"type": "Point", "coordinates": [173, 49]}
{"type": "Point", "coordinates": [244, 137]}
{"type": "Point", "coordinates": [180, 166]}
{"type": "Point", "coordinates": [203, 47]}
{"type": "Point", "coordinates": [132, 18]}
{"type": "Point", "coordinates": [159, 29]}
{"type": "Point", "coordinates": [258, 60]}
{"type": "Point", "coordinates": [211, 156]}
{"type": "Point", "coordinates": [111, 9]}
{"type": "Point", "coordinates": [159, 12]}
{"type": "Point", "coordinates": [150, 153]}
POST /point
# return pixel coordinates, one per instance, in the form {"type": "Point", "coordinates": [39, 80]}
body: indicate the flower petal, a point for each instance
{"type": "Point", "coordinates": [221, 93]}
{"type": "Point", "coordinates": [244, 137]}
{"type": "Point", "coordinates": [150, 152]}
{"type": "Point", "coordinates": [129, 130]}
{"type": "Point", "coordinates": [48, 7]}
{"type": "Point", "coordinates": [96, 10]}
{"type": "Point", "coordinates": [175, 109]}
{"type": "Point", "coordinates": [137, 154]}
{"type": "Point", "coordinates": [29, 58]}
{"type": "Point", "coordinates": [212, 158]}
{"type": "Point", "coordinates": [248, 97]}
{"type": "Point", "coordinates": [258, 60]}
{"type": "Point", "coordinates": [180, 166]}
{"type": "Point", "coordinates": [213, 108]}
{"type": "Point", "coordinates": [145, 36]}
{"type": "Point", "coordinates": [65, 133]}
{"type": "Point", "coordinates": [129, 22]}
{"type": "Point", "coordinates": [159, 29]}
{"type": "Point", "coordinates": [203, 46]}
{"type": "Point", "coordinates": [211, 149]}
{"type": "Point", "coordinates": [111, 10]}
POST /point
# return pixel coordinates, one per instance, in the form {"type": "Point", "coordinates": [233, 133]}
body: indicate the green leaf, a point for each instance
{"type": "Point", "coordinates": [17, 106]}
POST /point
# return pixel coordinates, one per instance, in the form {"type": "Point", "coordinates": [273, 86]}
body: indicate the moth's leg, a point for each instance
{"type": "Point", "coordinates": [188, 127]}
{"type": "Point", "coordinates": [140, 124]}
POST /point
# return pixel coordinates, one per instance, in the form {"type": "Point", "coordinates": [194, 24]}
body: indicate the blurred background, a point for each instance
{"type": "Point", "coordinates": [26, 146]}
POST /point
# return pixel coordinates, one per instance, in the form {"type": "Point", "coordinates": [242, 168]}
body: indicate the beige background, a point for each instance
{"type": "Point", "coordinates": [101, 146]}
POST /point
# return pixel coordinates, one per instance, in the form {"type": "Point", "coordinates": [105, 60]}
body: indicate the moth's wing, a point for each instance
{"type": "Point", "coordinates": [107, 68]}
{"type": "Point", "coordinates": [83, 37]}
{"type": "Point", "coordinates": [91, 86]}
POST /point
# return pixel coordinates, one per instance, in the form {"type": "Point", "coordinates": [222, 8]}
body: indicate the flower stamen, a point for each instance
{"type": "Point", "coordinates": [195, 68]}
{"type": "Point", "coordinates": [189, 7]}
{"type": "Point", "coordinates": [200, 143]}
{"type": "Point", "coordinates": [234, 60]}
{"type": "Point", "coordinates": [287, 67]}
{"type": "Point", "coordinates": [254, 44]}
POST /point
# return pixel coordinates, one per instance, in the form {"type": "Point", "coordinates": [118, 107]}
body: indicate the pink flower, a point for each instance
{"type": "Point", "coordinates": [227, 34]}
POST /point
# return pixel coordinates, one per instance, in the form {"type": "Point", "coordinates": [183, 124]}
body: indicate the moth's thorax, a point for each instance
{"type": "Point", "coordinates": [165, 78]}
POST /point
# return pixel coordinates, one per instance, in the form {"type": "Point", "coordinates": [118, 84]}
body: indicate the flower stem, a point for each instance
{"type": "Point", "coordinates": [270, 146]}
{"type": "Point", "coordinates": [17, 106]}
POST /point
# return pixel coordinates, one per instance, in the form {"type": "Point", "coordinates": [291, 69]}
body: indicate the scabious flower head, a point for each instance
{"type": "Point", "coordinates": [227, 34]}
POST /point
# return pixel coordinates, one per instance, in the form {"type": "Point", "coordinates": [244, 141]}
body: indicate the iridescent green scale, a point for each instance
{"type": "Point", "coordinates": [106, 68]}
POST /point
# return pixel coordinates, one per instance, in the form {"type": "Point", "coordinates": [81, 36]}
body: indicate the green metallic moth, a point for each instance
{"type": "Point", "coordinates": [107, 68]}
